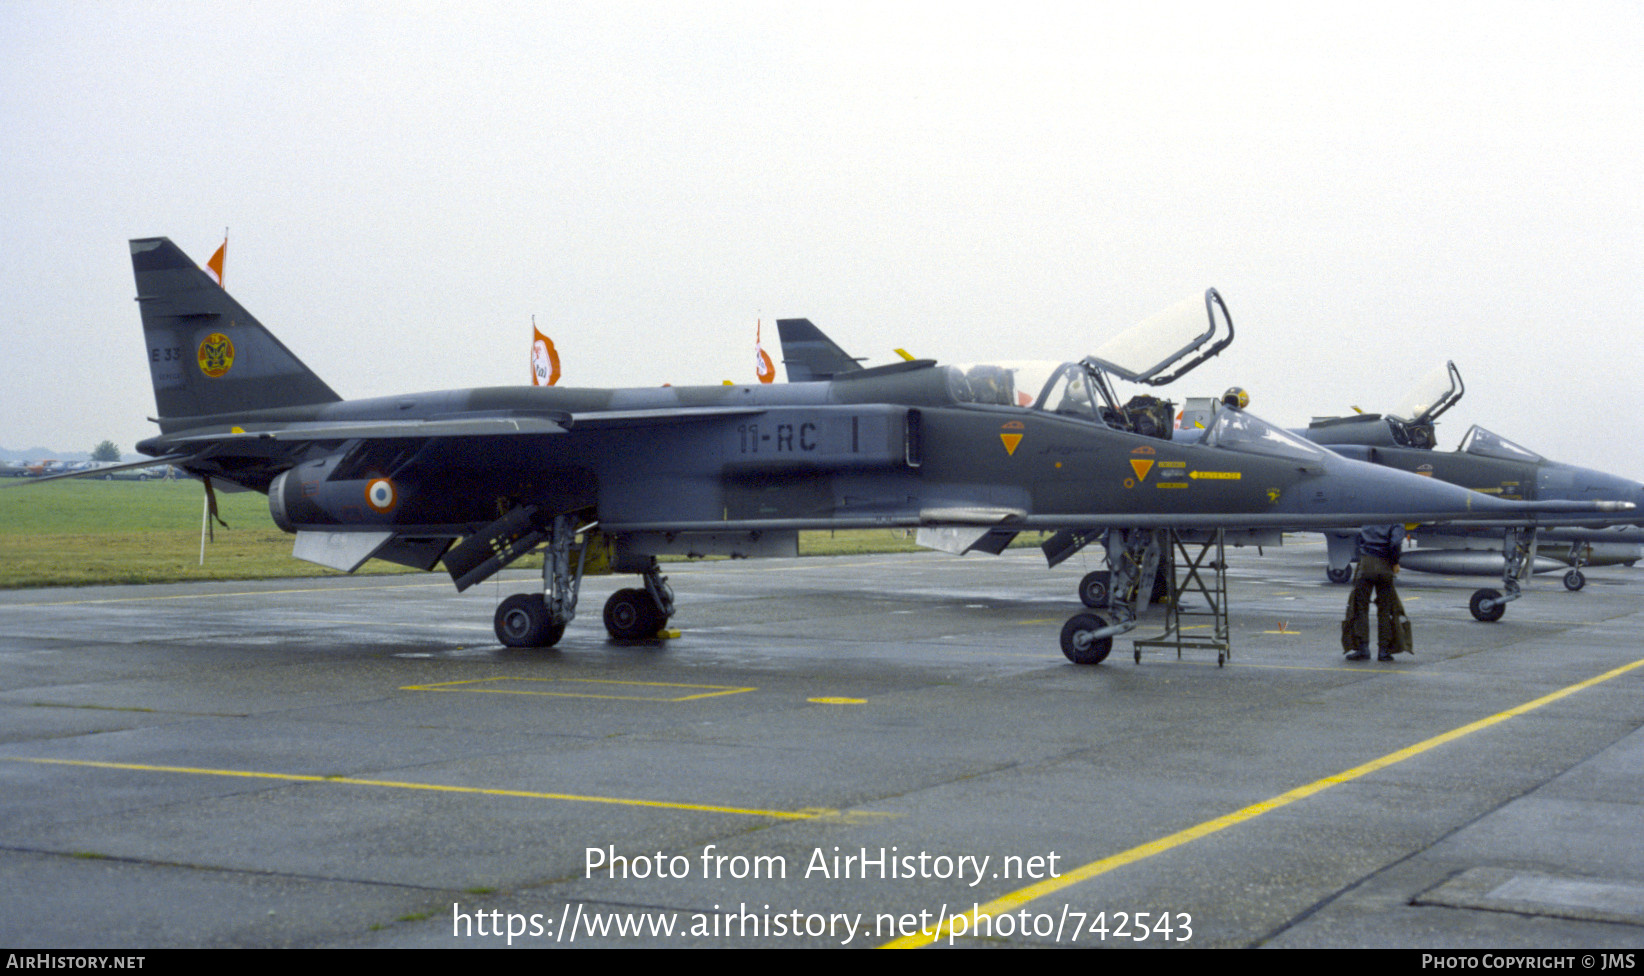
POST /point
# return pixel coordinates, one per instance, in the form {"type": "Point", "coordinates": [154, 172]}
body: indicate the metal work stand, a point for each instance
{"type": "Point", "coordinates": [1198, 590]}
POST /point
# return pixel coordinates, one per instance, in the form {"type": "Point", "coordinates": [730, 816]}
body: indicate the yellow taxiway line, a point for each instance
{"type": "Point", "coordinates": [810, 814]}
{"type": "Point", "coordinates": [1050, 886]}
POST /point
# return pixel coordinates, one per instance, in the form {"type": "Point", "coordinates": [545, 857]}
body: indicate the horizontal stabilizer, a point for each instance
{"type": "Point", "coordinates": [105, 470]}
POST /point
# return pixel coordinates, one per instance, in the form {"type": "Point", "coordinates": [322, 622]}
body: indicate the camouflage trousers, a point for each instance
{"type": "Point", "coordinates": [1392, 626]}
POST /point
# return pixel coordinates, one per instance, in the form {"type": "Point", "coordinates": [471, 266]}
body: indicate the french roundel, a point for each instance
{"type": "Point", "coordinates": [381, 495]}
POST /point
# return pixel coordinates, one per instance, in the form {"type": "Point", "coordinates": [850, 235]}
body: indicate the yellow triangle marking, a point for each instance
{"type": "Point", "coordinates": [1011, 440]}
{"type": "Point", "coordinates": [1141, 467]}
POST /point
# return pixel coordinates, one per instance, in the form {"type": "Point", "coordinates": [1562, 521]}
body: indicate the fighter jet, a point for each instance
{"type": "Point", "coordinates": [1486, 462]}
{"type": "Point", "coordinates": [473, 479]}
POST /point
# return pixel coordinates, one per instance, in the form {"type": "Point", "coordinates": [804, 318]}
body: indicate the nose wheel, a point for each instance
{"type": "Point", "coordinates": [1487, 606]}
{"type": "Point", "coordinates": [1079, 641]}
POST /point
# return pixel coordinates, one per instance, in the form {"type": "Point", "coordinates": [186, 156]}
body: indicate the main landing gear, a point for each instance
{"type": "Point", "coordinates": [539, 619]}
{"type": "Point", "coordinates": [639, 613]}
{"type": "Point", "coordinates": [522, 621]}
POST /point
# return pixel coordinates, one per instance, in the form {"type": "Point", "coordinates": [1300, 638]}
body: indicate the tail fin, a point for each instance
{"type": "Point", "coordinates": [208, 355]}
{"type": "Point", "coordinates": [809, 354]}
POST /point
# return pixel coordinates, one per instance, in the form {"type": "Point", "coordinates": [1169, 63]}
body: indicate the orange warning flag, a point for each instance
{"type": "Point", "coordinates": [763, 367]}
{"type": "Point", "coordinates": [544, 360]}
{"type": "Point", "coordinates": [216, 262]}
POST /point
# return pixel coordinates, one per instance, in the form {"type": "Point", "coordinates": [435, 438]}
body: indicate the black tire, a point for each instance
{"type": "Point", "coordinates": [1077, 644]}
{"type": "Point", "coordinates": [1093, 589]}
{"type": "Point", "coordinates": [522, 621]}
{"type": "Point", "coordinates": [1476, 605]}
{"type": "Point", "coordinates": [1342, 575]}
{"type": "Point", "coordinates": [1574, 580]}
{"type": "Point", "coordinates": [631, 614]}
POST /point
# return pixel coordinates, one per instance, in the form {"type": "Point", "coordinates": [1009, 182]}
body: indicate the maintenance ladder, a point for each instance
{"type": "Point", "coordinates": [1196, 565]}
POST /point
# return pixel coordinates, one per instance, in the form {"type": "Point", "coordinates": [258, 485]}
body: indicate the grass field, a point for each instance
{"type": "Point", "coordinates": [85, 533]}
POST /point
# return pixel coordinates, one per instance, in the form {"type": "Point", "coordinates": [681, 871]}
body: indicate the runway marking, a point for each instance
{"type": "Point", "coordinates": [712, 691]}
{"type": "Point", "coordinates": [814, 813]}
{"type": "Point", "coordinates": [1141, 852]}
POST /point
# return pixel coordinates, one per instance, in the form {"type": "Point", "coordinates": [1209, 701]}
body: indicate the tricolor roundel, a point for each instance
{"type": "Point", "coordinates": [381, 495]}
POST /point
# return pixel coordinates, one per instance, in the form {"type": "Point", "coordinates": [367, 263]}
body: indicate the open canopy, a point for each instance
{"type": "Point", "coordinates": [1143, 352]}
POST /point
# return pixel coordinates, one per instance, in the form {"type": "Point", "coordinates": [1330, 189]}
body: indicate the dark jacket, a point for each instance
{"type": "Point", "coordinates": [1382, 540]}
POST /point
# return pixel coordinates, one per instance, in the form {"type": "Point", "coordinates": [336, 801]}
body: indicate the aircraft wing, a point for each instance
{"type": "Point", "coordinates": [460, 427]}
{"type": "Point", "coordinates": [1535, 513]}
{"type": "Point", "coordinates": [466, 426]}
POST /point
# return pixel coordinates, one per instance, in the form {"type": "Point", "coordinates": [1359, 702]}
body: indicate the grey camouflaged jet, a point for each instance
{"type": "Point", "coordinates": [473, 479]}
{"type": "Point", "coordinates": [1485, 462]}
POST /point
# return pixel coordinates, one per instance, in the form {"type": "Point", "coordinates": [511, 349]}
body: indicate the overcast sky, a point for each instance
{"type": "Point", "coordinates": [1374, 189]}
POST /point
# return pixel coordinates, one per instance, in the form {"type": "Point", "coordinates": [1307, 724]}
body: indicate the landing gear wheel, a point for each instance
{"type": "Point", "coordinates": [522, 621]}
{"type": "Point", "coordinates": [1477, 604]}
{"type": "Point", "coordinates": [631, 614]}
{"type": "Point", "coordinates": [1342, 575]}
{"type": "Point", "coordinates": [1079, 643]}
{"type": "Point", "coordinates": [1574, 580]}
{"type": "Point", "coordinates": [1093, 589]}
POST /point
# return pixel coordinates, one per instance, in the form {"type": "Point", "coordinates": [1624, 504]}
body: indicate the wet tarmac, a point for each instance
{"type": "Point", "coordinates": [834, 751]}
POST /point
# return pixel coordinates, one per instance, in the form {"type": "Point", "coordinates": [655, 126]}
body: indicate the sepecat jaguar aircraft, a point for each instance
{"type": "Point", "coordinates": [1489, 463]}
{"type": "Point", "coordinates": [473, 479]}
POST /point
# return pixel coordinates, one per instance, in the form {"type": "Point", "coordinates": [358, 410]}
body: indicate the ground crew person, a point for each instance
{"type": "Point", "coordinates": [1378, 552]}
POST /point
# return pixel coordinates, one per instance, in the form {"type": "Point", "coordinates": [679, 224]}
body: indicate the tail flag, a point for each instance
{"type": "Point", "coordinates": [763, 367]}
{"type": "Point", "coordinates": [544, 358]}
{"type": "Point", "coordinates": [216, 262]}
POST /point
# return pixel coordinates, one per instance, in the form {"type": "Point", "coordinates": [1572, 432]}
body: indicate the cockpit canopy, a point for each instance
{"type": "Point", "coordinates": [1144, 351]}
{"type": "Point", "coordinates": [1184, 335]}
{"type": "Point", "coordinates": [1235, 430]}
{"type": "Point", "coordinates": [1066, 389]}
{"type": "Point", "coordinates": [1483, 443]}
{"type": "Point", "coordinates": [1435, 393]}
